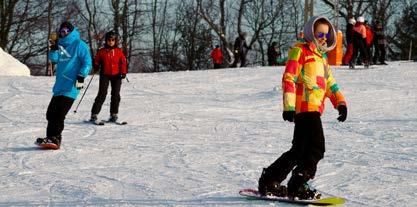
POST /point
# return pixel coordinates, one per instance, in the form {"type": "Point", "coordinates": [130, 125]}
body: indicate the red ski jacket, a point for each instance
{"type": "Point", "coordinates": [112, 61]}
{"type": "Point", "coordinates": [217, 55]}
{"type": "Point", "coordinates": [369, 35]}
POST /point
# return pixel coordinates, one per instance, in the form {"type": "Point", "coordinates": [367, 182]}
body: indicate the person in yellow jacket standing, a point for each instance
{"type": "Point", "coordinates": [306, 82]}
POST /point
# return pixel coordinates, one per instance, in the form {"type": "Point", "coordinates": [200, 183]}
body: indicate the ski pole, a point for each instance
{"type": "Point", "coordinates": [88, 85]}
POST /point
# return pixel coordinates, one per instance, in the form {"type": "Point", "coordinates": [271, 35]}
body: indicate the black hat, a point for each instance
{"type": "Point", "coordinates": [110, 34]}
{"type": "Point", "coordinates": [67, 25]}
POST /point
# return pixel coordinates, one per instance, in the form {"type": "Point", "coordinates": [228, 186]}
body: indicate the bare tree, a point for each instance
{"type": "Point", "coordinates": [215, 14]}
{"type": "Point", "coordinates": [7, 11]}
{"type": "Point", "coordinates": [195, 37]}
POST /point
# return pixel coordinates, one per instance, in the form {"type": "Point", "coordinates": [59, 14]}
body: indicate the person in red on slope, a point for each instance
{"type": "Point", "coordinates": [112, 64]}
{"type": "Point", "coordinates": [217, 56]}
{"type": "Point", "coordinates": [359, 43]}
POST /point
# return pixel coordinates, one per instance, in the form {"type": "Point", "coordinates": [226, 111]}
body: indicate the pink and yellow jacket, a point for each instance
{"type": "Point", "coordinates": [308, 80]}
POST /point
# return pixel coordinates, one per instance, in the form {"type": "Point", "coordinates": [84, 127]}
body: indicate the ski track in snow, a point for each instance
{"type": "Point", "coordinates": [197, 137]}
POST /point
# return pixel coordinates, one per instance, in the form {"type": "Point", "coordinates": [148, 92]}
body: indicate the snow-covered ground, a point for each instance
{"type": "Point", "coordinates": [10, 66]}
{"type": "Point", "coordinates": [196, 138]}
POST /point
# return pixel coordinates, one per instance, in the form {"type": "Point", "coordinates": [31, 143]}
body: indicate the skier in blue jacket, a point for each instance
{"type": "Point", "coordinates": [74, 63]}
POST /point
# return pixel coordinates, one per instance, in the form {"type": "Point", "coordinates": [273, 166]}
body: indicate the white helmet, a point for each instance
{"type": "Point", "coordinates": [352, 21]}
{"type": "Point", "coordinates": [361, 19]}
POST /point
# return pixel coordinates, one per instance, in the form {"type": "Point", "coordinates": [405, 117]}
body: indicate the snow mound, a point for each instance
{"type": "Point", "coordinates": [10, 66]}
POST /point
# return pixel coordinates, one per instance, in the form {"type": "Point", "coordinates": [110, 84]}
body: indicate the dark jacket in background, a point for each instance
{"type": "Point", "coordinates": [273, 54]}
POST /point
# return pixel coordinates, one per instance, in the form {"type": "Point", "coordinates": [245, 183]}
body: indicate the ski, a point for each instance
{"type": "Point", "coordinates": [115, 122]}
{"type": "Point", "coordinates": [94, 122]}
{"type": "Point", "coordinates": [255, 195]}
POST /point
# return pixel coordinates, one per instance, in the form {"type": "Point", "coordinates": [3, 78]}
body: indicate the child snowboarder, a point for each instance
{"type": "Point", "coordinates": [307, 81]}
{"type": "Point", "coordinates": [72, 56]}
{"type": "Point", "coordinates": [112, 64]}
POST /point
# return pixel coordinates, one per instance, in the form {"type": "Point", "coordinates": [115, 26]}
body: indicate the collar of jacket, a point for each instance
{"type": "Point", "coordinates": [70, 38]}
{"type": "Point", "coordinates": [313, 48]}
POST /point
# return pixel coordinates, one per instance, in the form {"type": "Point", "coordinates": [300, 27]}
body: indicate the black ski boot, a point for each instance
{"type": "Point", "coordinates": [113, 118]}
{"type": "Point", "coordinates": [298, 188]}
{"type": "Point", "coordinates": [351, 66]}
{"type": "Point", "coordinates": [49, 140]}
{"type": "Point", "coordinates": [267, 186]}
{"type": "Point", "coordinates": [93, 118]}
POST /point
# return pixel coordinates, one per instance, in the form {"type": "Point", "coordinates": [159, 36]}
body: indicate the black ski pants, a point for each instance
{"type": "Point", "coordinates": [359, 45]}
{"type": "Point", "coordinates": [306, 151]}
{"type": "Point", "coordinates": [57, 110]}
{"type": "Point", "coordinates": [239, 58]}
{"type": "Point", "coordinates": [379, 54]}
{"type": "Point", "coordinates": [116, 83]}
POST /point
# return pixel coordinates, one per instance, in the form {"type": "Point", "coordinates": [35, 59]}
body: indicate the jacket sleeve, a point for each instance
{"type": "Point", "coordinates": [96, 61]}
{"type": "Point", "coordinates": [333, 91]}
{"type": "Point", "coordinates": [123, 63]}
{"type": "Point", "coordinates": [53, 56]}
{"type": "Point", "coordinates": [289, 78]}
{"type": "Point", "coordinates": [85, 58]}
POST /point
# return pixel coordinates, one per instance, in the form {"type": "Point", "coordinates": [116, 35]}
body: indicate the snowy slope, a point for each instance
{"type": "Point", "coordinates": [196, 138]}
{"type": "Point", "coordinates": [10, 66]}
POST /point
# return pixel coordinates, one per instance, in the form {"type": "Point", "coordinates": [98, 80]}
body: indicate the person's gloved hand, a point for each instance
{"type": "Point", "coordinates": [342, 113]}
{"type": "Point", "coordinates": [122, 76]}
{"type": "Point", "coordinates": [288, 116]}
{"type": "Point", "coordinates": [79, 84]}
{"type": "Point", "coordinates": [53, 45]}
{"type": "Point", "coordinates": [96, 69]}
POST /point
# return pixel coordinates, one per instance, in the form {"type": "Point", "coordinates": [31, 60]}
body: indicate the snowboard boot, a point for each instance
{"type": "Point", "coordinates": [267, 186]}
{"type": "Point", "coordinates": [113, 118]}
{"type": "Point", "coordinates": [351, 66]}
{"type": "Point", "coordinates": [49, 140]}
{"type": "Point", "coordinates": [93, 117]}
{"type": "Point", "coordinates": [298, 188]}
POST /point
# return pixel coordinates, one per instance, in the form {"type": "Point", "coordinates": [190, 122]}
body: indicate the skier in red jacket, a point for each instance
{"type": "Point", "coordinates": [217, 56]}
{"type": "Point", "coordinates": [112, 64]}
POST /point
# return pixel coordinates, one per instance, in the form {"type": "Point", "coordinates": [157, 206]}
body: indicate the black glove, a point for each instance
{"type": "Point", "coordinates": [122, 76]}
{"type": "Point", "coordinates": [79, 84]}
{"type": "Point", "coordinates": [96, 68]}
{"type": "Point", "coordinates": [342, 113]}
{"type": "Point", "coordinates": [288, 116]}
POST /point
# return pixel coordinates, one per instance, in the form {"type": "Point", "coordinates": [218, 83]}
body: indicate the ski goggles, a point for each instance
{"type": "Point", "coordinates": [64, 30]}
{"type": "Point", "coordinates": [321, 35]}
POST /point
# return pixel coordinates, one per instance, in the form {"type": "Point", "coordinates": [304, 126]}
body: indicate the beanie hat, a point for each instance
{"type": "Point", "coordinates": [361, 19]}
{"type": "Point", "coordinates": [352, 21]}
{"type": "Point", "coordinates": [110, 34]}
{"type": "Point", "coordinates": [67, 25]}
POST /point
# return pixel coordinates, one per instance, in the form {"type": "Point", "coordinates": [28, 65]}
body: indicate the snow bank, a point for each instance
{"type": "Point", "coordinates": [10, 66]}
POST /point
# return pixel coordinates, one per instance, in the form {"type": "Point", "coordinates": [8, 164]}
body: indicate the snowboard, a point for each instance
{"type": "Point", "coordinates": [255, 195]}
{"type": "Point", "coordinates": [47, 146]}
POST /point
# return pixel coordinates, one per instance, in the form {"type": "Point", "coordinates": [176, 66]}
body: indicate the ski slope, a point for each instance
{"type": "Point", "coordinates": [195, 138]}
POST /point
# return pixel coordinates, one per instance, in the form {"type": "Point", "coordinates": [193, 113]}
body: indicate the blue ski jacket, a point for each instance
{"type": "Point", "coordinates": [73, 59]}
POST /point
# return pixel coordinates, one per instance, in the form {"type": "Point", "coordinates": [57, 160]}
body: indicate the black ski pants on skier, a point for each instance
{"type": "Point", "coordinates": [306, 151]}
{"type": "Point", "coordinates": [379, 53]}
{"type": "Point", "coordinates": [239, 58]}
{"type": "Point", "coordinates": [359, 45]}
{"type": "Point", "coordinates": [116, 83]}
{"type": "Point", "coordinates": [57, 110]}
